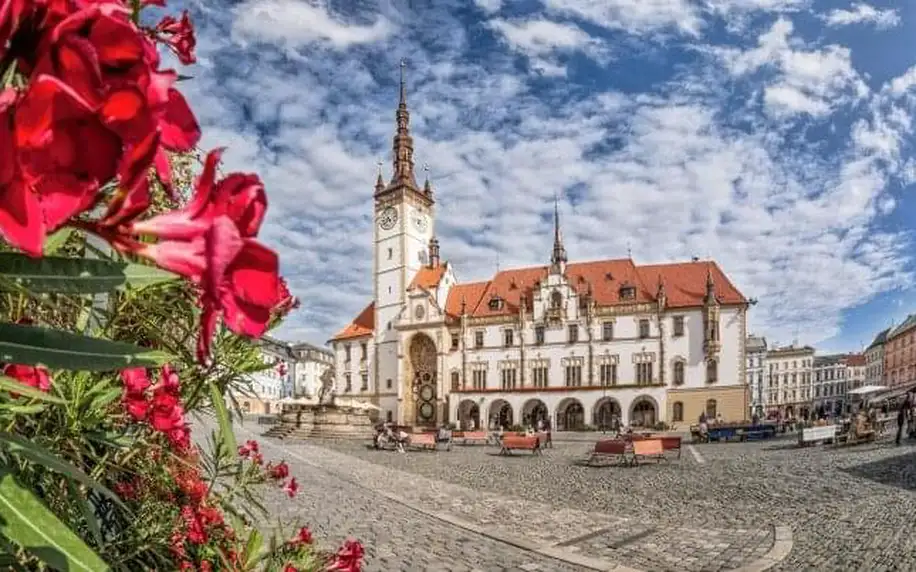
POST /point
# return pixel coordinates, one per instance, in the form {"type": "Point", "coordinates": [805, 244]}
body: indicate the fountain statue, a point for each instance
{"type": "Point", "coordinates": [325, 417]}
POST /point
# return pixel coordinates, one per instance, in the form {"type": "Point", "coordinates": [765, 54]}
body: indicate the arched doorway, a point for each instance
{"type": "Point", "coordinates": [607, 412]}
{"type": "Point", "coordinates": [423, 383]}
{"type": "Point", "coordinates": [644, 413]}
{"type": "Point", "coordinates": [570, 415]}
{"type": "Point", "coordinates": [468, 415]}
{"type": "Point", "coordinates": [501, 415]}
{"type": "Point", "coordinates": [533, 411]}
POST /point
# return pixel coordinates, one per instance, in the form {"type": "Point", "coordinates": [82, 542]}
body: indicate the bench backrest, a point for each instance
{"type": "Point", "coordinates": [611, 447]}
{"type": "Point", "coordinates": [475, 435]}
{"type": "Point", "coordinates": [648, 447]}
{"type": "Point", "coordinates": [818, 433]}
{"type": "Point", "coordinates": [423, 439]}
{"type": "Point", "coordinates": [670, 443]}
{"type": "Point", "coordinates": [519, 442]}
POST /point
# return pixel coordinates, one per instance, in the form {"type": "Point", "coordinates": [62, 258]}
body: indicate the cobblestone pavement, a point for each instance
{"type": "Point", "coordinates": [598, 539]}
{"type": "Point", "coordinates": [851, 508]}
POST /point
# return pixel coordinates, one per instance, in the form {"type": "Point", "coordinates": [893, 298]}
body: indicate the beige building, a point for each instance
{"type": "Point", "coordinates": [789, 380]}
{"type": "Point", "coordinates": [874, 360]}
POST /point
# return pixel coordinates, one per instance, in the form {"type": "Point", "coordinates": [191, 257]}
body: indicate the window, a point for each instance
{"type": "Point", "coordinates": [678, 373]}
{"type": "Point", "coordinates": [478, 339]}
{"type": "Point", "coordinates": [496, 303]}
{"type": "Point", "coordinates": [572, 335]}
{"type": "Point", "coordinates": [390, 253]}
{"type": "Point", "coordinates": [362, 350]}
{"type": "Point", "coordinates": [347, 352]}
{"type": "Point", "coordinates": [456, 380]}
{"type": "Point", "coordinates": [389, 416]}
{"type": "Point", "coordinates": [508, 338]}
{"type": "Point", "coordinates": [679, 329]}
{"type": "Point", "coordinates": [539, 335]}
{"type": "Point", "coordinates": [539, 376]}
{"type": "Point", "coordinates": [644, 373]}
{"type": "Point", "coordinates": [711, 409]}
{"type": "Point", "coordinates": [574, 375]}
{"type": "Point", "coordinates": [677, 411]}
{"type": "Point", "coordinates": [607, 331]}
{"type": "Point", "coordinates": [556, 300]}
{"type": "Point", "coordinates": [454, 342]}
{"type": "Point", "coordinates": [644, 328]}
{"type": "Point", "coordinates": [364, 386]}
{"type": "Point", "coordinates": [607, 373]}
{"type": "Point", "coordinates": [388, 383]}
{"type": "Point", "coordinates": [348, 385]}
{"type": "Point", "coordinates": [712, 371]}
{"type": "Point", "coordinates": [479, 379]}
{"type": "Point", "coordinates": [627, 293]}
{"type": "Point", "coordinates": [508, 378]}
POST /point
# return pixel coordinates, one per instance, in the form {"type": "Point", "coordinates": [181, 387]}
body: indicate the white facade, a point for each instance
{"type": "Point", "coordinates": [756, 374]}
{"type": "Point", "coordinates": [789, 378]}
{"type": "Point", "coordinates": [830, 384]}
{"type": "Point", "coordinates": [874, 360]}
{"type": "Point", "coordinates": [295, 369]}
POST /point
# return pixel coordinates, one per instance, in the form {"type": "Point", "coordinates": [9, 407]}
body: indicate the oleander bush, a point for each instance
{"type": "Point", "coordinates": [132, 282]}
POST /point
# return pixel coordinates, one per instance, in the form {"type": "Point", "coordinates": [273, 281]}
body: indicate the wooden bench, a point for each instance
{"type": "Point", "coordinates": [812, 435]}
{"type": "Point", "coordinates": [423, 441]}
{"type": "Point", "coordinates": [511, 443]}
{"type": "Point", "coordinates": [671, 444]}
{"type": "Point", "coordinates": [470, 438]}
{"type": "Point", "coordinates": [613, 449]}
{"type": "Point", "coordinates": [648, 449]}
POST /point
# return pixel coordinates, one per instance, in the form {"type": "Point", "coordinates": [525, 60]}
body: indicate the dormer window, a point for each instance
{"type": "Point", "coordinates": [627, 292]}
{"type": "Point", "coordinates": [496, 303]}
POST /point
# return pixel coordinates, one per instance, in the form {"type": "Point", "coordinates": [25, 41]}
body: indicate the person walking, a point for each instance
{"type": "Point", "coordinates": [902, 415]}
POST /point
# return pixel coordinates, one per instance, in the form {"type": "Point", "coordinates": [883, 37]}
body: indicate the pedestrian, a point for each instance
{"type": "Point", "coordinates": [547, 429]}
{"type": "Point", "coordinates": [902, 415]}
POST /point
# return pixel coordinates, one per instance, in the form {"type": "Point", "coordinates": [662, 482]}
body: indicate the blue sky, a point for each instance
{"type": "Point", "coordinates": [770, 135]}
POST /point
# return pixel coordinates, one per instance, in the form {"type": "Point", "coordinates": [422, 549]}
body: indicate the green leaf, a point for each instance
{"type": "Point", "coordinates": [53, 274]}
{"type": "Point", "coordinates": [26, 521]}
{"type": "Point", "coordinates": [104, 399]}
{"type": "Point", "coordinates": [37, 454]}
{"type": "Point", "coordinates": [252, 549]}
{"type": "Point", "coordinates": [92, 522]}
{"type": "Point", "coordinates": [222, 416]}
{"type": "Point", "coordinates": [11, 385]}
{"type": "Point", "coordinates": [23, 409]}
{"type": "Point", "coordinates": [54, 242]}
{"type": "Point", "coordinates": [58, 349]}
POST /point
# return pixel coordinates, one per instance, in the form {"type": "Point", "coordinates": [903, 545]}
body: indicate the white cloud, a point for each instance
{"type": "Point", "coordinates": [805, 81]}
{"type": "Point", "coordinates": [634, 16]}
{"type": "Point", "coordinates": [863, 14]}
{"type": "Point", "coordinates": [297, 23]}
{"type": "Point", "coordinates": [541, 40]}
{"type": "Point", "coordinates": [489, 6]}
{"type": "Point", "coordinates": [676, 168]}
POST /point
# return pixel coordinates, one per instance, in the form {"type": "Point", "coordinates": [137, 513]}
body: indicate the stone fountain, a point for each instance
{"type": "Point", "coordinates": [325, 417]}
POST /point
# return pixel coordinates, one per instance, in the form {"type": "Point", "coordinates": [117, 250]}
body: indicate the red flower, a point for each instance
{"type": "Point", "coordinates": [304, 536]}
{"type": "Point", "coordinates": [278, 472]}
{"type": "Point", "coordinates": [257, 459]}
{"type": "Point", "coordinates": [195, 528]}
{"type": "Point", "coordinates": [186, 566]}
{"type": "Point", "coordinates": [253, 445]}
{"type": "Point", "coordinates": [290, 568]}
{"type": "Point", "coordinates": [135, 380]}
{"type": "Point", "coordinates": [244, 451]}
{"type": "Point", "coordinates": [178, 35]}
{"type": "Point", "coordinates": [291, 488]}
{"type": "Point", "coordinates": [33, 376]}
{"type": "Point", "coordinates": [125, 489]}
{"type": "Point", "coordinates": [210, 516]}
{"type": "Point", "coordinates": [205, 566]}
{"type": "Point", "coordinates": [349, 557]}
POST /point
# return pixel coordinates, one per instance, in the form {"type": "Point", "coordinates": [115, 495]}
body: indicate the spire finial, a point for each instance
{"type": "Point", "coordinates": [629, 250]}
{"type": "Point", "coordinates": [558, 257]}
{"type": "Point", "coordinates": [403, 100]}
{"type": "Point", "coordinates": [379, 182]}
{"type": "Point", "coordinates": [402, 147]}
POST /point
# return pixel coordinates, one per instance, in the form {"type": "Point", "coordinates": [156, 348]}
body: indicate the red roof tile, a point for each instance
{"type": "Point", "coordinates": [362, 325]}
{"type": "Point", "coordinates": [471, 293]}
{"type": "Point", "coordinates": [685, 283]}
{"type": "Point", "coordinates": [428, 277]}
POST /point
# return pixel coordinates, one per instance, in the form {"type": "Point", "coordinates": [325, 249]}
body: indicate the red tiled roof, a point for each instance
{"type": "Point", "coordinates": [428, 277]}
{"type": "Point", "coordinates": [685, 285]}
{"type": "Point", "coordinates": [855, 360]}
{"type": "Point", "coordinates": [362, 325]}
{"type": "Point", "coordinates": [471, 293]}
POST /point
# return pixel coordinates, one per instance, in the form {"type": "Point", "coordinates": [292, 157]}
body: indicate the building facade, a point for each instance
{"type": "Point", "coordinates": [789, 376]}
{"type": "Point", "coordinates": [856, 371]}
{"type": "Point", "coordinates": [900, 354]}
{"type": "Point", "coordinates": [294, 371]}
{"type": "Point", "coordinates": [577, 343]}
{"type": "Point", "coordinates": [756, 374]}
{"type": "Point", "coordinates": [874, 360]}
{"type": "Point", "coordinates": [830, 384]}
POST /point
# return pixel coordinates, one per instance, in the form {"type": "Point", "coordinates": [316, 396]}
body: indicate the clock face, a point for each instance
{"type": "Point", "coordinates": [421, 222]}
{"type": "Point", "coordinates": [388, 218]}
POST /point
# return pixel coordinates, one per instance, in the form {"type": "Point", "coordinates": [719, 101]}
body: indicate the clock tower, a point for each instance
{"type": "Point", "coordinates": [403, 229]}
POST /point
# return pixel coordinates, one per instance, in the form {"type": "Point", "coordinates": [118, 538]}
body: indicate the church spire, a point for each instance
{"type": "Point", "coordinates": [558, 257]}
{"type": "Point", "coordinates": [402, 146]}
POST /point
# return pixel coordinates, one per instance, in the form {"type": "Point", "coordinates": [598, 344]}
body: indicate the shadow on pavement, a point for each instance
{"type": "Point", "coordinates": [899, 471]}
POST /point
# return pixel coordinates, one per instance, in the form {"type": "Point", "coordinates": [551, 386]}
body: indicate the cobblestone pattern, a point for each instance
{"type": "Point", "coordinates": [849, 508]}
{"type": "Point", "coordinates": [396, 538]}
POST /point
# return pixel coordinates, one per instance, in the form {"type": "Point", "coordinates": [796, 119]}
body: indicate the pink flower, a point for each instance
{"type": "Point", "coordinates": [278, 472]}
{"type": "Point", "coordinates": [33, 376]}
{"type": "Point", "coordinates": [304, 536]}
{"type": "Point", "coordinates": [291, 488]}
{"type": "Point", "coordinates": [349, 557]}
{"type": "Point", "coordinates": [178, 35]}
